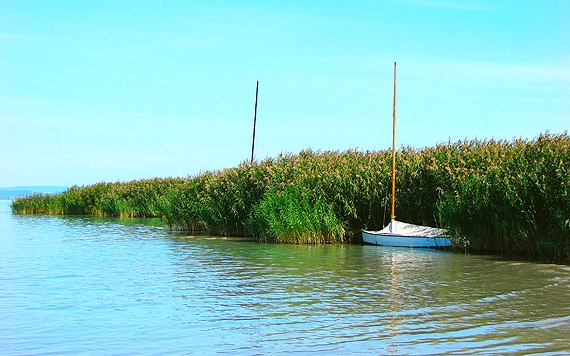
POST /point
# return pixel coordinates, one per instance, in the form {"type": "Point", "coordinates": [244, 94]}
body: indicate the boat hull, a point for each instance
{"type": "Point", "coordinates": [387, 239]}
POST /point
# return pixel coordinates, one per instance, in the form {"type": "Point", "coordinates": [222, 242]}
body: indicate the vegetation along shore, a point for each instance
{"type": "Point", "coordinates": [499, 197]}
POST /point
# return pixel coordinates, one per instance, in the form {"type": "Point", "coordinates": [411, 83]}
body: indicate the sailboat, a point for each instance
{"type": "Point", "coordinates": [401, 234]}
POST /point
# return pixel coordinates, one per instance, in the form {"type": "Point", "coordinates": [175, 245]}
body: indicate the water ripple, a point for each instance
{"type": "Point", "coordinates": [80, 285]}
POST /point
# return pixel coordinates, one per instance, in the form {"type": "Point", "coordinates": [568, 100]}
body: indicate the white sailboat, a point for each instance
{"type": "Point", "coordinates": [400, 234]}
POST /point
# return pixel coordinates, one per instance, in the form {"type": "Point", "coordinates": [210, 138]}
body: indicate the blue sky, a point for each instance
{"type": "Point", "coordinates": [95, 91]}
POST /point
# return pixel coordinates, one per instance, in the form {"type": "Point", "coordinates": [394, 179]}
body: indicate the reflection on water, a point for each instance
{"type": "Point", "coordinates": [72, 285]}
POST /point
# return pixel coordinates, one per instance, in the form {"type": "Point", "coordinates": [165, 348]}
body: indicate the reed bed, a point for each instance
{"type": "Point", "coordinates": [505, 197]}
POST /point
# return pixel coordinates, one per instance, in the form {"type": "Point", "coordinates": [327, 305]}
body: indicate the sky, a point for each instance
{"type": "Point", "coordinates": [106, 91]}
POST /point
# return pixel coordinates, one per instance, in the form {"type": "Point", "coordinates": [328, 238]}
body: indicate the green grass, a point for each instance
{"type": "Point", "coordinates": [494, 196]}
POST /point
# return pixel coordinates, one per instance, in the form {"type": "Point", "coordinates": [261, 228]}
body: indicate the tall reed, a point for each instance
{"type": "Point", "coordinates": [498, 196]}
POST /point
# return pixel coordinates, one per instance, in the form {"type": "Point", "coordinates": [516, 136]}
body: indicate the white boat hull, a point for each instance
{"type": "Point", "coordinates": [376, 238]}
{"type": "Point", "coordinates": [400, 234]}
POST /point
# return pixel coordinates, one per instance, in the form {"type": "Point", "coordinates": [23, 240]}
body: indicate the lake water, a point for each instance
{"type": "Point", "coordinates": [82, 285]}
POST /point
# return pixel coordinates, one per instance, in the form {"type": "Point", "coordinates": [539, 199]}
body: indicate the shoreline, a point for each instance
{"type": "Point", "coordinates": [509, 198]}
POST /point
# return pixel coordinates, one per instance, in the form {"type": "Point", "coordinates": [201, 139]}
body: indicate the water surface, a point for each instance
{"type": "Point", "coordinates": [83, 285]}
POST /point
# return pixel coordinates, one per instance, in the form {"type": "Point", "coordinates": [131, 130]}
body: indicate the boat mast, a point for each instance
{"type": "Point", "coordinates": [393, 217]}
{"type": "Point", "coordinates": [254, 121]}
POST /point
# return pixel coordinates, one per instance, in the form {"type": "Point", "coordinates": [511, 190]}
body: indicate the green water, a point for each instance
{"type": "Point", "coordinates": [80, 285]}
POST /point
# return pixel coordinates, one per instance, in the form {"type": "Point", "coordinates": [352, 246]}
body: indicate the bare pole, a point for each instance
{"type": "Point", "coordinates": [393, 217]}
{"type": "Point", "coordinates": [254, 121]}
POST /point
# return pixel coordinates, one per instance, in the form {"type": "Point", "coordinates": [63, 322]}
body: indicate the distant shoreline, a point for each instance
{"type": "Point", "coordinates": [8, 193]}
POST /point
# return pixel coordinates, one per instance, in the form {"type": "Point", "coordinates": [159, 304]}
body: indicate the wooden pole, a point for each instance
{"type": "Point", "coordinates": [254, 121]}
{"type": "Point", "coordinates": [393, 217]}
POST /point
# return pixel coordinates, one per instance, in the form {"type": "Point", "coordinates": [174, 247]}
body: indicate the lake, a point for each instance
{"type": "Point", "coordinates": [103, 286]}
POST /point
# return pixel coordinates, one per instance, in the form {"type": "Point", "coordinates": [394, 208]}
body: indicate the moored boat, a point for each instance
{"type": "Point", "coordinates": [400, 234]}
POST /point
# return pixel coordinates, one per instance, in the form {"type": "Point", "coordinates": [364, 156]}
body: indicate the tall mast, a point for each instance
{"type": "Point", "coordinates": [393, 217]}
{"type": "Point", "coordinates": [254, 121]}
